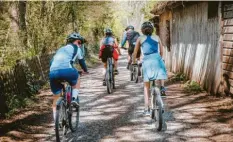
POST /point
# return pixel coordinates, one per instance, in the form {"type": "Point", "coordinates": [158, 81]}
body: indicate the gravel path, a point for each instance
{"type": "Point", "coordinates": [118, 116]}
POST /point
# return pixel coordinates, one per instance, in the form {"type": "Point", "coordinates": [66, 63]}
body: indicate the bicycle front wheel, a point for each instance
{"type": "Point", "coordinates": [60, 120]}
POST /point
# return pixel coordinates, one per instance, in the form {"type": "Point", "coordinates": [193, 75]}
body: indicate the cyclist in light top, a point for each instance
{"type": "Point", "coordinates": [109, 48]}
{"type": "Point", "coordinates": [152, 63]}
{"type": "Point", "coordinates": [61, 68]}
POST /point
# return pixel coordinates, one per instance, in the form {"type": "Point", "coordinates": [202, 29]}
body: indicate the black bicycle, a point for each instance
{"type": "Point", "coordinates": [110, 76]}
{"type": "Point", "coordinates": [67, 114]}
{"type": "Point", "coordinates": [157, 106]}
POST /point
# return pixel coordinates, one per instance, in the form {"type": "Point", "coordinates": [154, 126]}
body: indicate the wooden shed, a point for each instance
{"type": "Point", "coordinates": [198, 40]}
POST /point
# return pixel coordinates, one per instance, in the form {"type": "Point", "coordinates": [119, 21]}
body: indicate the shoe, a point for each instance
{"type": "Point", "coordinates": [104, 83]}
{"type": "Point", "coordinates": [147, 112]}
{"type": "Point", "coordinates": [163, 91]}
{"type": "Point", "coordinates": [116, 72]}
{"type": "Point", "coordinates": [127, 67]}
{"type": "Point", "coordinates": [75, 102]}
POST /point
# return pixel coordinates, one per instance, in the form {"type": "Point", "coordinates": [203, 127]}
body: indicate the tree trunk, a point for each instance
{"type": "Point", "coordinates": [22, 22]}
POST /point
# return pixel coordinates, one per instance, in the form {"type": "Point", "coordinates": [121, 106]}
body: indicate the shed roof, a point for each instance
{"type": "Point", "coordinates": [162, 6]}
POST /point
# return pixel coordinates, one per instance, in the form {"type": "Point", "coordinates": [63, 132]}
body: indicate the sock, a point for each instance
{"type": "Point", "coordinates": [54, 113]}
{"type": "Point", "coordinates": [75, 93]}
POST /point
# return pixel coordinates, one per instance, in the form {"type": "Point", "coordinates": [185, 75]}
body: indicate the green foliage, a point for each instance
{"type": "Point", "coordinates": [179, 77]}
{"type": "Point", "coordinates": [192, 87]}
{"type": "Point", "coordinates": [15, 103]}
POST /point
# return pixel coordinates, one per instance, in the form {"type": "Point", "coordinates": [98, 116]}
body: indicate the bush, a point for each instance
{"type": "Point", "coordinates": [179, 77]}
{"type": "Point", "coordinates": [192, 87]}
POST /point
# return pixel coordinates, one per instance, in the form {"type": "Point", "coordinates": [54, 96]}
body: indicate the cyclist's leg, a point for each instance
{"type": "Point", "coordinates": [146, 93]}
{"type": "Point", "coordinates": [115, 57]}
{"type": "Point", "coordinates": [56, 88]}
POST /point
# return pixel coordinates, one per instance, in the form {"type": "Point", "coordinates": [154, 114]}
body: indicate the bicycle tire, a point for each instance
{"type": "Point", "coordinates": [158, 113]}
{"type": "Point", "coordinates": [136, 74]}
{"type": "Point", "coordinates": [108, 76]}
{"type": "Point", "coordinates": [113, 81]}
{"type": "Point", "coordinates": [131, 72]}
{"type": "Point", "coordinates": [60, 122]}
{"type": "Point", "coordinates": [71, 110]}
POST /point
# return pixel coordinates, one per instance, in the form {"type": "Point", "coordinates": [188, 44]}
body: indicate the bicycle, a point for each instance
{"type": "Point", "coordinates": [157, 106]}
{"type": "Point", "coordinates": [110, 76]}
{"type": "Point", "coordinates": [65, 112]}
{"type": "Point", "coordinates": [135, 71]}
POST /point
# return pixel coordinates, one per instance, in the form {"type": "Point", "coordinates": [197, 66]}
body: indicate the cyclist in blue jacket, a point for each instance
{"type": "Point", "coordinates": [61, 68]}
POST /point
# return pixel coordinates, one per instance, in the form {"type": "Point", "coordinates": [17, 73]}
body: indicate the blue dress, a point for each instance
{"type": "Point", "coordinates": [152, 64]}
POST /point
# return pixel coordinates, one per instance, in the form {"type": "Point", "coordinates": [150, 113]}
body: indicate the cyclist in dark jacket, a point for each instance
{"type": "Point", "coordinates": [131, 36]}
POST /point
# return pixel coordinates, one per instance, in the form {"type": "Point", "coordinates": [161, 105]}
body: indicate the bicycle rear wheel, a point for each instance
{"type": "Point", "coordinates": [136, 74]}
{"type": "Point", "coordinates": [131, 72]}
{"type": "Point", "coordinates": [109, 77]}
{"type": "Point", "coordinates": [73, 117]}
{"type": "Point", "coordinates": [60, 120]}
{"type": "Point", "coordinates": [158, 112]}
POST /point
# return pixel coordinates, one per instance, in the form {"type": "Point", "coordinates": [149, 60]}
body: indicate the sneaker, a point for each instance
{"type": "Point", "coordinates": [147, 112]}
{"type": "Point", "coordinates": [163, 91]}
{"type": "Point", "coordinates": [104, 83]}
{"type": "Point", "coordinates": [116, 72]}
{"type": "Point", "coordinates": [127, 67]}
{"type": "Point", "coordinates": [75, 102]}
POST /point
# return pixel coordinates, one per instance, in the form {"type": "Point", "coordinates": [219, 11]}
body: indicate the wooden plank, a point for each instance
{"type": "Point", "coordinates": [228, 37]}
{"type": "Point", "coordinates": [227, 44]}
{"type": "Point", "coordinates": [227, 59]}
{"type": "Point", "coordinates": [228, 7]}
{"type": "Point", "coordinates": [229, 73]}
{"type": "Point", "coordinates": [231, 82]}
{"type": "Point", "coordinates": [228, 22]}
{"type": "Point", "coordinates": [227, 52]}
{"type": "Point", "coordinates": [227, 67]}
{"type": "Point", "coordinates": [228, 30]}
{"type": "Point", "coordinates": [228, 14]}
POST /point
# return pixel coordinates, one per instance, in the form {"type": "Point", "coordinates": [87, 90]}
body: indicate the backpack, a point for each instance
{"type": "Point", "coordinates": [132, 37]}
{"type": "Point", "coordinates": [75, 52]}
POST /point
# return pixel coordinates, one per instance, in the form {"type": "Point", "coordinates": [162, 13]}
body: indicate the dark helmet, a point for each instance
{"type": "Point", "coordinates": [108, 30]}
{"type": "Point", "coordinates": [147, 24]}
{"type": "Point", "coordinates": [129, 27]}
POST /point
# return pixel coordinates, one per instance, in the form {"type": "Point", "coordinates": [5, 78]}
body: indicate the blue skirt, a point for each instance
{"type": "Point", "coordinates": [153, 67]}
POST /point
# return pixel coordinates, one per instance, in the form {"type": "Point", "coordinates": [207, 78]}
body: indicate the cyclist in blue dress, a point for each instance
{"type": "Point", "coordinates": [152, 63]}
{"type": "Point", "coordinates": [61, 68]}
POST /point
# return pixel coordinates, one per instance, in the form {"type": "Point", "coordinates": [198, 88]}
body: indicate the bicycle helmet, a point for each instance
{"type": "Point", "coordinates": [73, 37]}
{"type": "Point", "coordinates": [147, 24]}
{"type": "Point", "coordinates": [129, 27]}
{"type": "Point", "coordinates": [108, 30]}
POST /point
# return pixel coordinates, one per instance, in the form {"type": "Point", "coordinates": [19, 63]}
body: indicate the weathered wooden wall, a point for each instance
{"type": "Point", "coordinates": [227, 41]}
{"type": "Point", "coordinates": [195, 48]}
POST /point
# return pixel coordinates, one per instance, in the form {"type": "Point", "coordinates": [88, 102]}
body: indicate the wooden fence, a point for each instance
{"type": "Point", "coordinates": [23, 80]}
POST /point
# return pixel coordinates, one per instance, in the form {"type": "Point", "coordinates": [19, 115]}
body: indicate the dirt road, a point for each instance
{"type": "Point", "coordinates": [118, 116]}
